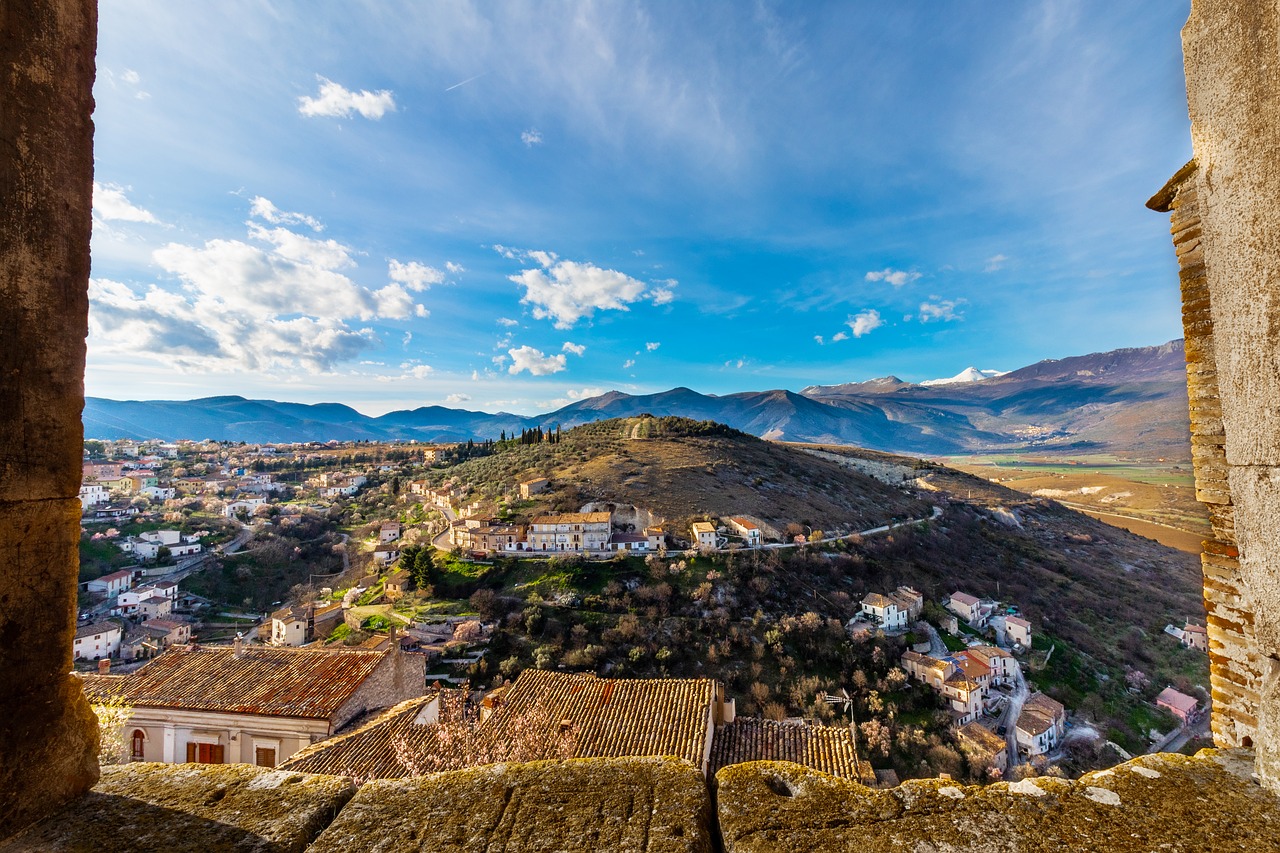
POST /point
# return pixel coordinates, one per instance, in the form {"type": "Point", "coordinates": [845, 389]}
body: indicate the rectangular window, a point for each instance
{"type": "Point", "coordinates": [205, 753]}
{"type": "Point", "coordinates": [264, 756]}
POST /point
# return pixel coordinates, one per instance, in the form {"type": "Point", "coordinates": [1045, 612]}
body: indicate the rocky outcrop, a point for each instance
{"type": "Point", "coordinates": [48, 737]}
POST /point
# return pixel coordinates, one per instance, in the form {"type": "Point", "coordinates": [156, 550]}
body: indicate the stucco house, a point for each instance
{"type": "Point", "coordinates": [258, 705]}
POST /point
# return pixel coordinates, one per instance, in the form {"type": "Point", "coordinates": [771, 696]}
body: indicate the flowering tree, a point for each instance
{"type": "Point", "coordinates": [113, 715]}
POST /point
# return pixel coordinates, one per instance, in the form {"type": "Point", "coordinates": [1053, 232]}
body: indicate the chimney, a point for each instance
{"type": "Point", "coordinates": [239, 645]}
{"type": "Point", "coordinates": [104, 666]}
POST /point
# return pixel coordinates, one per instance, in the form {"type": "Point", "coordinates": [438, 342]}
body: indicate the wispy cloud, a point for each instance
{"type": "Point", "coordinates": [531, 137]}
{"type": "Point", "coordinates": [891, 276]}
{"type": "Point", "coordinates": [336, 101]}
{"type": "Point", "coordinates": [576, 349]}
{"type": "Point", "coordinates": [652, 345]}
{"type": "Point", "coordinates": [995, 262]}
{"type": "Point", "coordinates": [943, 311]}
{"type": "Point", "coordinates": [263, 209]}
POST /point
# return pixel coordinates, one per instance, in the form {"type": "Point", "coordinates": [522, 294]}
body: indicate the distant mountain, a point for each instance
{"type": "Point", "coordinates": [1129, 400]}
{"type": "Point", "coordinates": [969, 374]}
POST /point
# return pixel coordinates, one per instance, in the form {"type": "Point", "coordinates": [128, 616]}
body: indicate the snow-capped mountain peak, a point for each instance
{"type": "Point", "coordinates": [969, 374]}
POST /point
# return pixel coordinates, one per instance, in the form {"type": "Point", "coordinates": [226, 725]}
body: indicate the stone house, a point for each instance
{"type": "Point", "coordinates": [703, 534]}
{"type": "Point", "coordinates": [1040, 725]}
{"type": "Point", "coordinates": [389, 532]}
{"type": "Point", "coordinates": [983, 747]}
{"type": "Point", "coordinates": [1018, 630]}
{"type": "Point", "coordinates": [573, 531]}
{"type": "Point", "coordinates": [529, 488]}
{"type": "Point", "coordinates": [258, 705]}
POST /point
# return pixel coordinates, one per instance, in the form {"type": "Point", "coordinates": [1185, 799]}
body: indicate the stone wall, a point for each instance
{"type": "Point", "coordinates": [1234, 668]}
{"type": "Point", "coordinates": [48, 737]}
{"type": "Point", "coordinates": [661, 805]}
{"type": "Point", "coordinates": [1232, 62]}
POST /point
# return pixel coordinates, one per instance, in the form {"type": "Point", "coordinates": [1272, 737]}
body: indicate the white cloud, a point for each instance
{"type": "Point", "coordinates": [631, 362]}
{"type": "Point", "coordinates": [576, 349]}
{"type": "Point", "coordinates": [651, 346]}
{"type": "Point", "coordinates": [413, 275]}
{"type": "Point", "coordinates": [531, 137]}
{"type": "Point", "coordinates": [864, 322]}
{"type": "Point", "coordinates": [276, 302]}
{"type": "Point", "coordinates": [264, 209]}
{"type": "Point", "coordinates": [567, 291]}
{"type": "Point", "coordinates": [454, 268]}
{"type": "Point", "coordinates": [819, 339]}
{"type": "Point", "coordinates": [737, 364]}
{"type": "Point", "coordinates": [337, 101]}
{"type": "Point", "coordinates": [507, 321]}
{"type": "Point", "coordinates": [995, 262]}
{"type": "Point", "coordinates": [839, 336]}
{"type": "Point", "coordinates": [895, 277]}
{"type": "Point", "coordinates": [131, 76]}
{"type": "Point", "coordinates": [507, 252]}
{"type": "Point", "coordinates": [943, 310]}
{"type": "Point", "coordinates": [457, 398]}
{"type": "Point", "coordinates": [110, 203]}
{"type": "Point", "coordinates": [534, 361]}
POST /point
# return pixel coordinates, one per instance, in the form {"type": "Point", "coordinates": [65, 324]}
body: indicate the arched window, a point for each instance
{"type": "Point", "coordinates": [138, 749]}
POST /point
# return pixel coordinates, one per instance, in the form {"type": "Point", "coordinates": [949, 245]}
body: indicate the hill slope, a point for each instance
{"type": "Point", "coordinates": [679, 469]}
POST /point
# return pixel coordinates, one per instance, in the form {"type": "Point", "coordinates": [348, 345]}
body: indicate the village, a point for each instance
{"type": "Point", "coordinates": [970, 653]}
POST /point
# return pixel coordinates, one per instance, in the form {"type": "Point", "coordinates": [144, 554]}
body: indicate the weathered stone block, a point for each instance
{"type": "Point", "coordinates": [176, 808]}
{"type": "Point", "coordinates": [644, 805]}
{"type": "Point", "coordinates": [1157, 802]}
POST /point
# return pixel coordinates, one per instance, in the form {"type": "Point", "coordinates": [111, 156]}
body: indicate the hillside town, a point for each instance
{"type": "Point", "coordinates": [173, 512]}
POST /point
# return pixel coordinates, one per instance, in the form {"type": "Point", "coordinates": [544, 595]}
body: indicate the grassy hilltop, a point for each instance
{"type": "Point", "coordinates": [679, 469]}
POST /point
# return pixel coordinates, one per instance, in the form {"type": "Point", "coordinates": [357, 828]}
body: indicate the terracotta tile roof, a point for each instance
{"type": "Point", "coordinates": [831, 749]}
{"type": "Point", "coordinates": [1039, 714]}
{"type": "Point", "coordinates": [703, 527]}
{"type": "Point", "coordinates": [971, 666]}
{"type": "Point", "coordinates": [964, 598]}
{"type": "Point", "coordinates": [273, 682]}
{"type": "Point", "coordinates": [875, 599]}
{"type": "Point", "coordinates": [617, 716]}
{"type": "Point", "coordinates": [744, 523]}
{"type": "Point", "coordinates": [96, 628]}
{"type": "Point", "coordinates": [1017, 620]}
{"type": "Point", "coordinates": [980, 739]}
{"type": "Point", "coordinates": [369, 751]}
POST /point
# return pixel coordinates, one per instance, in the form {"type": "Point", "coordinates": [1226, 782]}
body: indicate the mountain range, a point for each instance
{"type": "Point", "coordinates": [1124, 401]}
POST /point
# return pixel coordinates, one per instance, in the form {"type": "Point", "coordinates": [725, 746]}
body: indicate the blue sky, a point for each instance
{"type": "Point", "coordinates": [510, 206]}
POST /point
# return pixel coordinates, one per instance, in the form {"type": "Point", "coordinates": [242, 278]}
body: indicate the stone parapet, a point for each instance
{"type": "Point", "coordinates": [646, 805]}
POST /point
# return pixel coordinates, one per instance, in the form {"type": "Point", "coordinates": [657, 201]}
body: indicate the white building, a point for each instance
{"type": "Point", "coordinates": [112, 584]}
{"type": "Point", "coordinates": [97, 640]}
{"type": "Point", "coordinates": [747, 529]}
{"type": "Point", "coordinates": [704, 534]}
{"type": "Point", "coordinates": [884, 611]}
{"type": "Point", "coordinates": [244, 503]}
{"type": "Point", "coordinates": [92, 494]}
{"type": "Point", "coordinates": [1041, 725]}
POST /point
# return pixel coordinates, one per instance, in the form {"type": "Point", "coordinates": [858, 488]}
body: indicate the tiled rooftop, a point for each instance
{"type": "Point", "coordinates": [369, 751]}
{"type": "Point", "coordinates": [278, 682]}
{"type": "Point", "coordinates": [617, 717]}
{"type": "Point", "coordinates": [831, 749]}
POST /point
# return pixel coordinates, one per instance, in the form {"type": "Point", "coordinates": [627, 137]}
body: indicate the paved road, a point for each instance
{"type": "Point", "coordinates": [1020, 694]}
{"type": "Point", "coordinates": [441, 541]}
{"type": "Point", "coordinates": [871, 531]}
{"type": "Point", "coordinates": [937, 648]}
